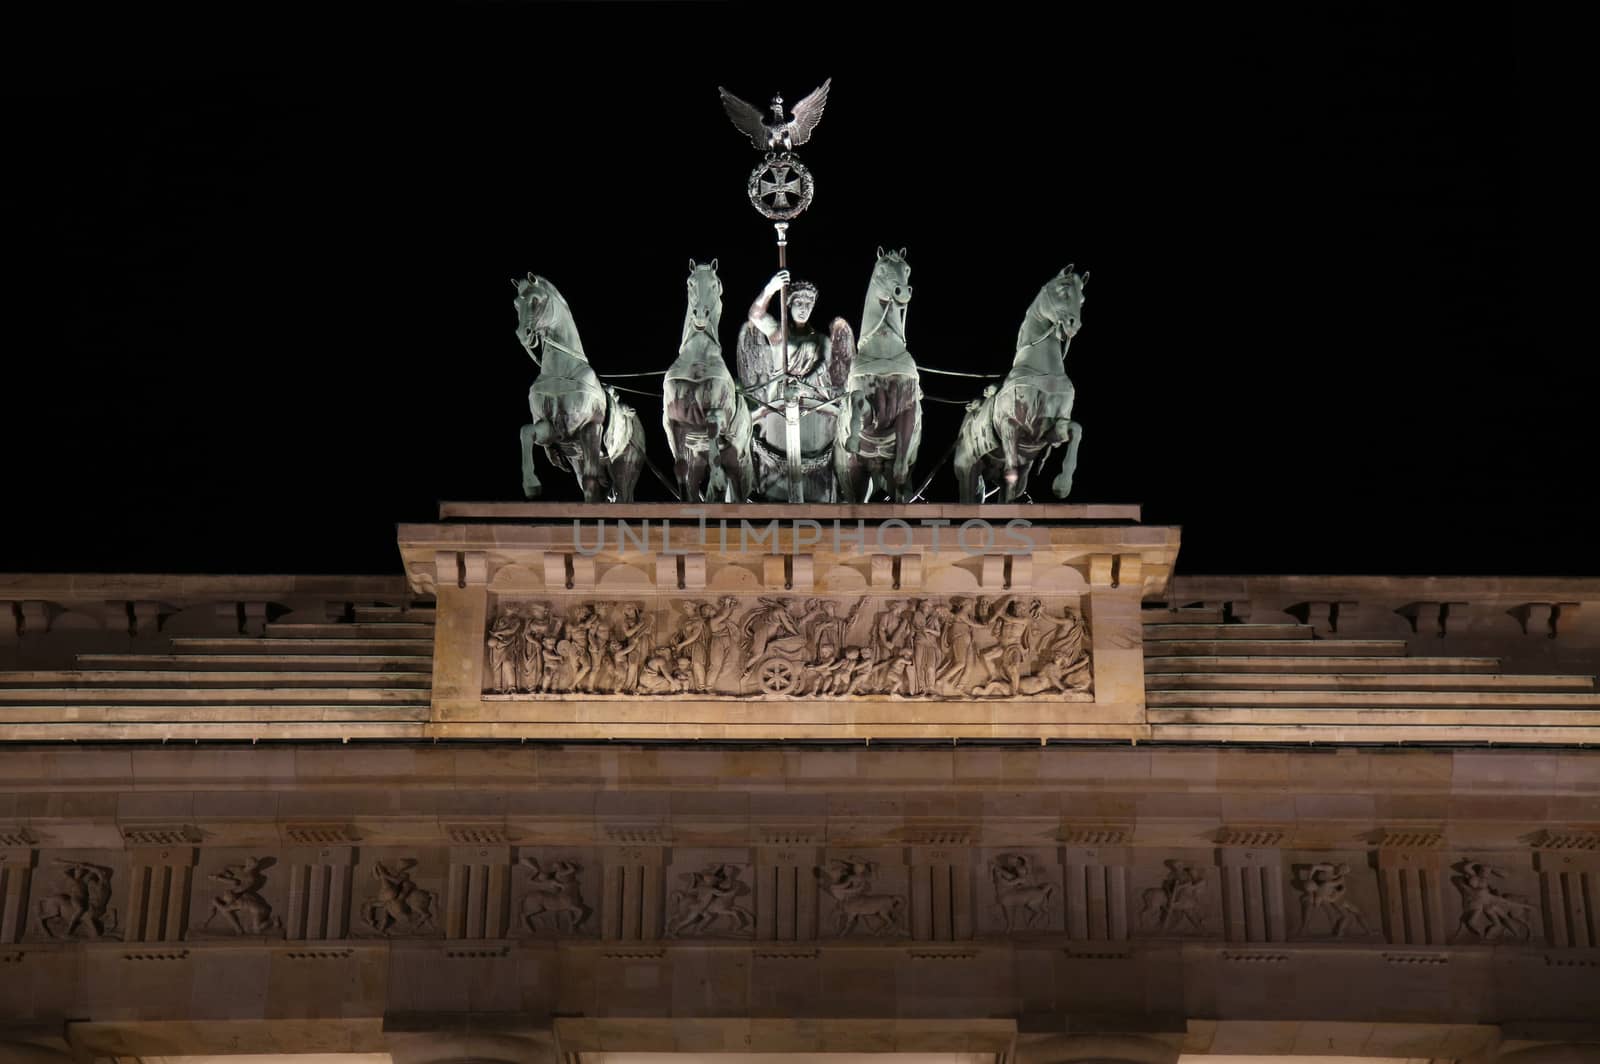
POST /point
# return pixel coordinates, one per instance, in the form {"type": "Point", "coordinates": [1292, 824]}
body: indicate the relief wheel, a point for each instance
{"type": "Point", "coordinates": [776, 676]}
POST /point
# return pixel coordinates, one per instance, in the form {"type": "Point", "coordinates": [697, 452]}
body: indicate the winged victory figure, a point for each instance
{"type": "Point", "coordinates": [777, 135]}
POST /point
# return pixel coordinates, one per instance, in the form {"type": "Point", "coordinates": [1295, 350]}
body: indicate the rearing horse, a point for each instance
{"type": "Point", "coordinates": [580, 424]}
{"type": "Point", "coordinates": [1013, 429]}
{"type": "Point", "coordinates": [880, 429]}
{"type": "Point", "coordinates": [706, 417]}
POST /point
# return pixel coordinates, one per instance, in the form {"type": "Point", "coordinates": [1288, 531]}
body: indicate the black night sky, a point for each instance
{"type": "Point", "coordinates": [258, 262]}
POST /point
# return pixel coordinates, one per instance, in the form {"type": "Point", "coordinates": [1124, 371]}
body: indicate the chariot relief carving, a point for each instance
{"type": "Point", "coordinates": [1324, 892]}
{"type": "Point", "coordinates": [1023, 897]}
{"type": "Point", "coordinates": [240, 903]}
{"type": "Point", "coordinates": [554, 901]}
{"type": "Point", "coordinates": [857, 908]}
{"type": "Point", "coordinates": [1487, 911]}
{"type": "Point", "coordinates": [709, 903]}
{"type": "Point", "coordinates": [81, 907]}
{"type": "Point", "coordinates": [398, 904]}
{"type": "Point", "coordinates": [819, 648]}
{"type": "Point", "coordinates": [1178, 903]}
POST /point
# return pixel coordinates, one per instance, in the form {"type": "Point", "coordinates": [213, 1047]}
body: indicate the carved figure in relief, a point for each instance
{"type": "Point", "coordinates": [505, 650]}
{"type": "Point", "coordinates": [1323, 889]}
{"type": "Point", "coordinates": [83, 905]}
{"type": "Point", "coordinates": [906, 648]}
{"type": "Point", "coordinates": [1178, 900]}
{"type": "Point", "coordinates": [398, 900]}
{"type": "Point", "coordinates": [241, 901]}
{"type": "Point", "coordinates": [855, 905]}
{"type": "Point", "coordinates": [1486, 910]}
{"type": "Point", "coordinates": [710, 897]}
{"type": "Point", "coordinates": [554, 898]}
{"type": "Point", "coordinates": [1018, 893]}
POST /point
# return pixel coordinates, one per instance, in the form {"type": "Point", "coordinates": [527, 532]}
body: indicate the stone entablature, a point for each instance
{"type": "Point", "coordinates": [607, 881]}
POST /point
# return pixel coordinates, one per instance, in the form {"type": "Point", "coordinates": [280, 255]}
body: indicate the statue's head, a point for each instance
{"type": "Point", "coordinates": [705, 295]}
{"type": "Point", "coordinates": [891, 277]}
{"type": "Point", "coordinates": [802, 301]}
{"type": "Point", "coordinates": [1061, 302]}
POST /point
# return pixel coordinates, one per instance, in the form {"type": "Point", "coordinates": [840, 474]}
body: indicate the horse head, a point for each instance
{"type": "Point", "coordinates": [1061, 302]}
{"type": "Point", "coordinates": [891, 278]}
{"type": "Point", "coordinates": [536, 308]}
{"type": "Point", "coordinates": [704, 313]}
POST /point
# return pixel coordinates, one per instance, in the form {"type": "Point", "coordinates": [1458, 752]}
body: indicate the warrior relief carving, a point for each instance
{"type": "Point", "coordinates": [1023, 898]}
{"type": "Point", "coordinates": [1323, 889]}
{"type": "Point", "coordinates": [819, 648]}
{"type": "Point", "coordinates": [83, 905]}
{"type": "Point", "coordinates": [1176, 904]}
{"type": "Point", "coordinates": [1487, 911]}
{"type": "Point", "coordinates": [555, 899]}
{"type": "Point", "coordinates": [241, 901]}
{"type": "Point", "coordinates": [708, 904]}
{"type": "Point", "coordinates": [399, 903]}
{"type": "Point", "coordinates": [856, 907]}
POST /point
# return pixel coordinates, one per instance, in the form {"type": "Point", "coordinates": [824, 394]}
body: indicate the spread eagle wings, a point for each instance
{"type": "Point", "coordinates": [842, 342]}
{"type": "Point", "coordinates": [807, 113]}
{"type": "Point", "coordinates": [746, 117]}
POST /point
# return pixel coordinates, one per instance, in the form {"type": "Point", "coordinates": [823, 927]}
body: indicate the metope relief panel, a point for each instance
{"type": "Point", "coordinates": [1179, 896]}
{"type": "Point", "coordinates": [1020, 891]}
{"type": "Point", "coordinates": [238, 894]}
{"type": "Point", "coordinates": [399, 892]}
{"type": "Point", "coordinates": [789, 647]}
{"type": "Point", "coordinates": [78, 896]}
{"type": "Point", "coordinates": [864, 893]}
{"type": "Point", "coordinates": [711, 893]}
{"type": "Point", "coordinates": [1332, 896]}
{"type": "Point", "coordinates": [555, 891]}
{"type": "Point", "coordinates": [1491, 898]}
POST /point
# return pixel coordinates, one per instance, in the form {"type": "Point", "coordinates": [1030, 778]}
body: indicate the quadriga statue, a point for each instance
{"type": "Point", "coordinates": [580, 424]}
{"type": "Point", "coordinates": [1013, 429]}
{"type": "Point", "coordinates": [878, 433]}
{"type": "Point", "coordinates": [706, 417]}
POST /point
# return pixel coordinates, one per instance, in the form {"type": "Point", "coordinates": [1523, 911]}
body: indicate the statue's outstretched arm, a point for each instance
{"type": "Point", "coordinates": [759, 317]}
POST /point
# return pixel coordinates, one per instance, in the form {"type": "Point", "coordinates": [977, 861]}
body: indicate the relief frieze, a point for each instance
{"type": "Point", "coordinates": [936, 648]}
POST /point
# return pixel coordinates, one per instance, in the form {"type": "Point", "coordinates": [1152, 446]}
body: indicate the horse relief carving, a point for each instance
{"type": "Point", "coordinates": [554, 901]}
{"type": "Point", "coordinates": [856, 907]}
{"type": "Point", "coordinates": [820, 648]}
{"type": "Point", "coordinates": [240, 901]}
{"type": "Point", "coordinates": [709, 903]}
{"type": "Point", "coordinates": [82, 907]}
{"type": "Point", "coordinates": [1177, 904]}
{"type": "Point", "coordinates": [1024, 898]}
{"type": "Point", "coordinates": [399, 904]}
{"type": "Point", "coordinates": [1488, 912]}
{"type": "Point", "coordinates": [1324, 890]}
{"type": "Point", "coordinates": [1012, 431]}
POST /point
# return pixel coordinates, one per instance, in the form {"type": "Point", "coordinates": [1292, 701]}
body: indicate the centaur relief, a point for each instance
{"type": "Point", "coordinates": [955, 647]}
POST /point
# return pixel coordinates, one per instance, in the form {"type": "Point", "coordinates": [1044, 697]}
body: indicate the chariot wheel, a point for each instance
{"type": "Point", "coordinates": [776, 676]}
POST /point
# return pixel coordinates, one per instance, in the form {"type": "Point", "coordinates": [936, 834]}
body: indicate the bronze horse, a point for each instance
{"type": "Point", "coordinates": [580, 425]}
{"type": "Point", "coordinates": [1013, 429]}
{"type": "Point", "coordinates": [705, 415]}
{"type": "Point", "coordinates": [880, 428]}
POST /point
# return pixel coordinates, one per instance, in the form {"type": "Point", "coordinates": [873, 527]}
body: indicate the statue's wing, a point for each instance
{"type": "Point", "coordinates": [748, 118]}
{"type": "Point", "coordinates": [843, 354]}
{"type": "Point", "coordinates": [807, 113]}
{"type": "Point", "coordinates": [754, 356]}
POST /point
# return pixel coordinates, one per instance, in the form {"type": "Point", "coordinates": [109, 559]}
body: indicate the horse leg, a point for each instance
{"type": "Point", "coordinates": [531, 487]}
{"type": "Point", "coordinates": [907, 434]}
{"type": "Point", "coordinates": [591, 468]}
{"type": "Point", "coordinates": [1015, 472]}
{"type": "Point", "coordinates": [966, 466]}
{"type": "Point", "coordinates": [1062, 485]}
